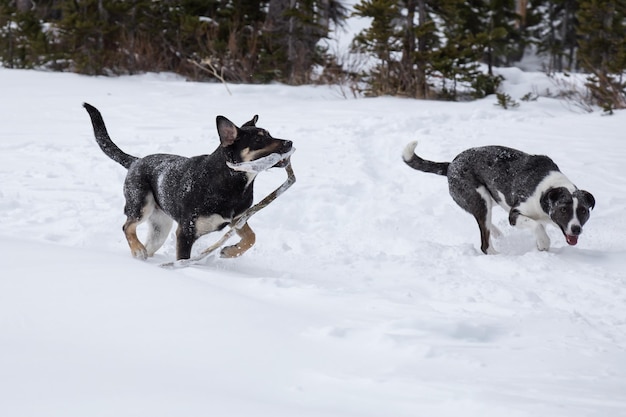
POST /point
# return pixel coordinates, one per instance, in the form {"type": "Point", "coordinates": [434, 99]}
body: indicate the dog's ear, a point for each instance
{"type": "Point", "coordinates": [555, 194]}
{"type": "Point", "coordinates": [251, 123]}
{"type": "Point", "coordinates": [227, 131]}
{"type": "Point", "coordinates": [586, 198]}
{"type": "Point", "coordinates": [550, 198]}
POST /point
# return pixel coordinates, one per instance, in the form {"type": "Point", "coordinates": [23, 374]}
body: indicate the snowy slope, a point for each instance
{"type": "Point", "coordinates": [366, 293]}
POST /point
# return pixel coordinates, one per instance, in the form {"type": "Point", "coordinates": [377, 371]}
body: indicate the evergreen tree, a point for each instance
{"type": "Point", "coordinates": [382, 39]}
{"type": "Point", "coordinates": [554, 32]}
{"type": "Point", "coordinates": [418, 61]}
{"type": "Point", "coordinates": [506, 40]}
{"type": "Point", "coordinates": [415, 40]}
{"type": "Point", "coordinates": [228, 36]}
{"type": "Point", "coordinates": [291, 36]}
{"type": "Point", "coordinates": [420, 46]}
{"type": "Point", "coordinates": [493, 26]}
{"type": "Point", "coordinates": [602, 31]}
{"type": "Point", "coordinates": [88, 36]}
{"type": "Point", "coordinates": [23, 40]}
{"type": "Point", "coordinates": [402, 46]}
{"type": "Point", "coordinates": [457, 60]}
{"type": "Point", "coordinates": [234, 39]}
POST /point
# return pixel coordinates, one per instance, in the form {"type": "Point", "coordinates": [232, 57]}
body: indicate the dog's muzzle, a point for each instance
{"type": "Point", "coordinates": [572, 237]}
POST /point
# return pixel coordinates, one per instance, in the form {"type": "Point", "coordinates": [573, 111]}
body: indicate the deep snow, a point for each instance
{"type": "Point", "coordinates": [366, 293]}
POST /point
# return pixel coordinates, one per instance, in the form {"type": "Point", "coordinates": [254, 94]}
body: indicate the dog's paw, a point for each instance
{"type": "Point", "coordinates": [495, 232]}
{"type": "Point", "coordinates": [492, 251]}
{"type": "Point", "coordinates": [488, 249]}
{"type": "Point", "coordinates": [233, 251]}
{"type": "Point", "coordinates": [543, 244]}
{"type": "Point", "coordinates": [543, 241]}
{"type": "Point", "coordinates": [140, 253]}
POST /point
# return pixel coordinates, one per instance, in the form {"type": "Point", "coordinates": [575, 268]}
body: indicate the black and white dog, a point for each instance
{"type": "Point", "coordinates": [529, 187]}
{"type": "Point", "coordinates": [202, 194]}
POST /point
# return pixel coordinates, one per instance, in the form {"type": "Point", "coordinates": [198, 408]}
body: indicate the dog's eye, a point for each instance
{"type": "Point", "coordinates": [563, 210]}
{"type": "Point", "coordinates": [583, 210]}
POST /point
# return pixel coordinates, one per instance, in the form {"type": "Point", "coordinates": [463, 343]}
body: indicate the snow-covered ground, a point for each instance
{"type": "Point", "coordinates": [366, 293]}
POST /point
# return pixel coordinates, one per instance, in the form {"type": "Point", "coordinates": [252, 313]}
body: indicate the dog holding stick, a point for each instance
{"type": "Point", "coordinates": [202, 193]}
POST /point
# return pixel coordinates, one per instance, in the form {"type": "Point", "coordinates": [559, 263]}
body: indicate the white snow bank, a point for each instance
{"type": "Point", "coordinates": [365, 295]}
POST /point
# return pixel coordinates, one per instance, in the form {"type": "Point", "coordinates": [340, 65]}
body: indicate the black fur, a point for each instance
{"type": "Point", "coordinates": [202, 194]}
{"type": "Point", "coordinates": [530, 187]}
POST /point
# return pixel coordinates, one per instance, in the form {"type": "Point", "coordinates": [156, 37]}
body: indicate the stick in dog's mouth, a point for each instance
{"type": "Point", "coordinates": [262, 164]}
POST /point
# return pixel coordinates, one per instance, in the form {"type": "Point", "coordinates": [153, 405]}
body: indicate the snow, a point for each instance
{"type": "Point", "coordinates": [366, 293]}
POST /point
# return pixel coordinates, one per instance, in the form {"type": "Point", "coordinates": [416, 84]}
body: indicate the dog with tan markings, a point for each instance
{"type": "Point", "coordinates": [201, 194]}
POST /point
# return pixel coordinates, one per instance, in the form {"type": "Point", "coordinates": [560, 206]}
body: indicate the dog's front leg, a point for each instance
{"type": "Point", "coordinates": [543, 241]}
{"type": "Point", "coordinates": [247, 240]}
{"type": "Point", "coordinates": [185, 237]}
{"type": "Point", "coordinates": [519, 220]}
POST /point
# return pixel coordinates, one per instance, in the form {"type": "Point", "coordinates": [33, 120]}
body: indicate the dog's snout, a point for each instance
{"type": "Point", "coordinates": [576, 230]}
{"type": "Point", "coordinates": [287, 144]}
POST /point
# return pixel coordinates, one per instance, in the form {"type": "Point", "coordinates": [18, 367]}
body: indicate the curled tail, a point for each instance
{"type": "Point", "coordinates": [415, 162]}
{"type": "Point", "coordinates": [104, 140]}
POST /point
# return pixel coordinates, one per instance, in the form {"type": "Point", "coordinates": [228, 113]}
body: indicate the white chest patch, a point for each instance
{"type": "Point", "coordinates": [532, 206]}
{"type": "Point", "coordinates": [208, 224]}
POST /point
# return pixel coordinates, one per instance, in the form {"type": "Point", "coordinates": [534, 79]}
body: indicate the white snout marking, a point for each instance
{"type": "Point", "coordinates": [574, 221]}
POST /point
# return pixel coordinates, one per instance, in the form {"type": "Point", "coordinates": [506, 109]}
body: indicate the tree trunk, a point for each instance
{"type": "Point", "coordinates": [408, 50]}
{"type": "Point", "coordinates": [24, 5]}
{"type": "Point", "coordinates": [422, 82]}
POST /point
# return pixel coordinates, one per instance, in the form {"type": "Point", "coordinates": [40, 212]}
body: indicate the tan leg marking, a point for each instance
{"type": "Point", "coordinates": [136, 247]}
{"type": "Point", "coordinates": [247, 241]}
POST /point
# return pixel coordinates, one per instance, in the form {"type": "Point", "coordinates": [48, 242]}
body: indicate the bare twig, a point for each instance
{"type": "Point", "coordinates": [211, 70]}
{"type": "Point", "coordinates": [238, 222]}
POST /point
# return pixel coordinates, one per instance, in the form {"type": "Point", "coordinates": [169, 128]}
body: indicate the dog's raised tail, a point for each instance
{"type": "Point", "coordinates": [415, 162]}
{"type": "Point", "coordinates": [104, 140]}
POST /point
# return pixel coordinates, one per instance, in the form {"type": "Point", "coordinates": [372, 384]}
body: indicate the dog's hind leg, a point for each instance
{"type": "Point", "coordinates": [478, 202]}
{"type": "Point", "coordinates": [485, 237]}
{"type": "Point", "coordinates": [159, 226]}
{"type": "Point", "coordinates": [139, 206]}
{"type": "Point", "coordinates": [137, 248]}
{"type": "Point", "coordinates": [247, 241]}
{"type": "Point", "coordinates": [484, 222]}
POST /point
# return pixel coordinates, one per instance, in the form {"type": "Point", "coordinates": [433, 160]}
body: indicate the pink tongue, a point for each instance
{"type": "Point", "coordinates": [571, 240]}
